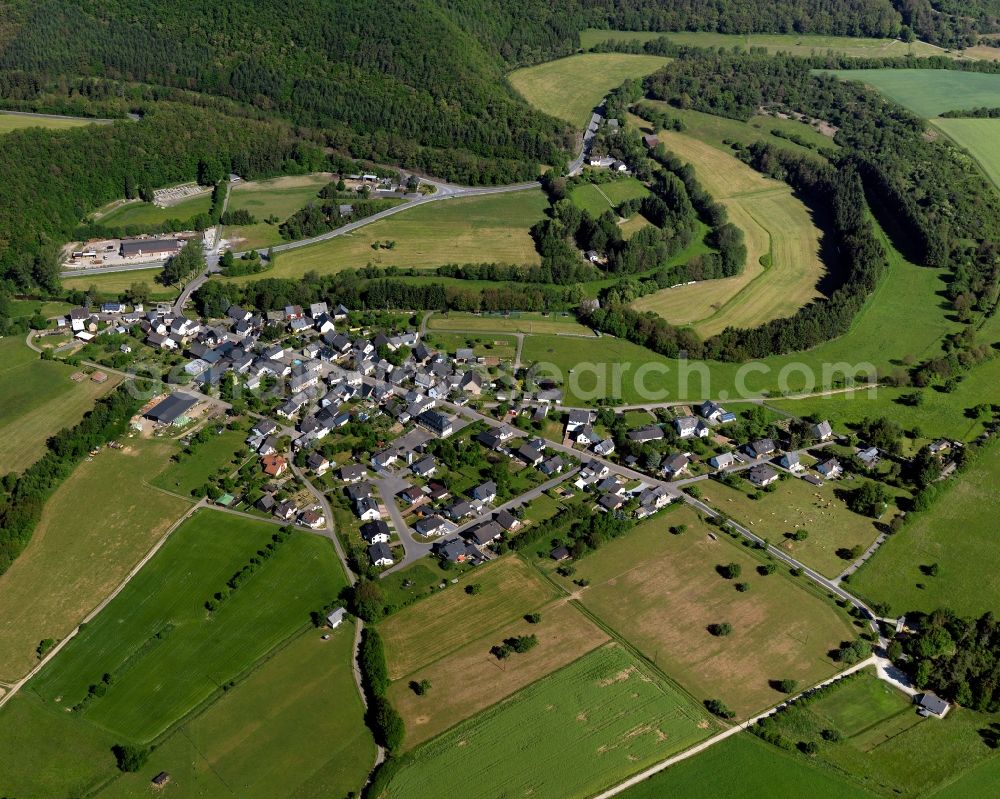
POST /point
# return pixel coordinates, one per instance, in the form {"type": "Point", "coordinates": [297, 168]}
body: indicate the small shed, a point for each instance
{"type": "Point", "coordinates": [335, 618]}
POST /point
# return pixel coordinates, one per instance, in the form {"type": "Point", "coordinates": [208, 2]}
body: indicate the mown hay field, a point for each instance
{"type": "Point", "coordinates": [575, 732]}
{"type": "Point", "coordinates": [929, 92]}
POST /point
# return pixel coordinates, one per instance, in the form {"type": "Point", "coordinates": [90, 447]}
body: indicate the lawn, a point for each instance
{"type": "Point", "coordinates": [744, 767]}
{"type": "Point", "coordinates": [38, 399]}
{"type": "Point", "coordinates": [516, 322]}
{"type": "Point", "coordinates": [422, 633]}
{"type": "Point", "coordinates": [570, 88]}
{"type": "Point", "coordinates": [294, 727]}
{"type": "Point", "coordinates": [571, 734]}
{"type": "Point", "coordinates": [598, 198]}
{"type": "Point", "coordinates": [796, 504]}
{"type": "Point", "coordinates": [9, 122]}
{"type": "Point", "coordinates": [278, 197]}
{"type": "Point", "coordinates": [191, 472]}
{"type": "Point", "coordinates": [140, 213]}
{"type": "Point", "coordinates": [929, 92]}
{"type": "Point", "coordinates": [792, 43]}
{"type": "Point", "coordinates": [885, 746]}
{"type": "Point", "coordinates": [488, 229]}
{"type": "Point", "coordinates": [779, 231]}
{"type": "Point", "coordinates": [49, 754]}
{"type": "Point", "coordinates": [112, 284]}
{"type": "Point", "coordinates": [564, 634]}
{"type": "Point", "coordinates": [660, 591]}
{"type": "Point", "coordinates": [165, 652]}
{"type": "Point", "coordinates": [959, 534]}
{"type": "Point", "coordinates": [981, 137]}
{"type": "Point", "coordinates": [484, 345]}
{"type": "Point", "coordinates": [97, 525]}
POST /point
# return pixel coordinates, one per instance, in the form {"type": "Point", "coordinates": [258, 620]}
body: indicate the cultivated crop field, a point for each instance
{"type": "Point", "coordinates": [663, 601]}
{"type": "Point", "coordinates": [518, 322]}
{"type": "Point", "coordinates": [489, 229]}
{"type": "Point", "coordinates": [569, 88]}
{"type": "Point", "coordinates": [981, 137]}
{"type": "Point", "coordinates": [885, 745]}
{"type": "Point", "coordinates": [136, 212]}
{"type": "Point", "coordinates": [37, 399]}
{"type": "Point", "coordinates": [959, 534]}
{"type": "Point", "coordinates": [97, 525]}
{"type": "Point", "coordinates": [777, 226]}
{"type": "Point", "coordinates": [165, 652]}
{"type": "Point", "coordinates": [569, 735]}
{"type": "Point", "coordinates": [10, 122]}
{"type": "Point", "coordinates": [929, 92]}
{"type": "Point", "coordinates": [421, 633]}
{"type": "Point", "coordinates": [794, 44]}
{"type": "Point", "coordinates": [796, 504]}
{"type": "Point", "coordinates": [744, 767]}
{"type": "Point", "coordinates": [293, 727]}
{"type": "Point", "coordinates": [564, 634]}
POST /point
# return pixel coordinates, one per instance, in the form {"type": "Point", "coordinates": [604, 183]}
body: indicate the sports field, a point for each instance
{"type": "Point", "coordinates": [136, 212]}
{"type": "Point", "coordinates": [165, 653]}
{"type": "Point", "coordinates": [97, 525]}
{"type": "Point", "coordinates": [421, 633]}
{"type": "Point", "coordinates": [294, 727]}
{"type": "Point", "coordinates": [112, 284]}
{"type": "Point", "coordinates": [569, 735]}
{"type": "Point", "coordinates": [959, 534]}
{"type": "Point", "coordinates": [37, 399]}
{"type": "Point", "coordinates": [778, 230]}
{"type": "Point", "coordinates": [278, 197]}
{"type": "Point", "coordinates": [929, 92]}
{"type": "Point", "coordinates": [489, 229]}
{"type": "Point", "coordinates": [662, 602]}
{"type": "Point", "coordinates": [564, 634]}
{"type": "Point", "coordinates": [981, 137]}
{"type": "Point", "coordinates": [9, 122]}
{"type": "Point", "coordinates": [744, 767]}
{"type": "Point", "coordinates": [518, 322]}
{"type": "Point", "coordinates": [570, 88]}
{"type": "Point", "coordinates": [798, 505]}
{"type": "Point", "coordinates": [794, 44]}
{"type": "Point", "coordinates": [885, 746]}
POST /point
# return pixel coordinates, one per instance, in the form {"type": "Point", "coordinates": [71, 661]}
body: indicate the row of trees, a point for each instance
{"type": "Point", "coordinates": [383, 719]}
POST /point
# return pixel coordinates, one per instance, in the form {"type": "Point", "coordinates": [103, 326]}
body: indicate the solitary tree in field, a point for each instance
{"type": "Point", "coordinates": [720, 630]}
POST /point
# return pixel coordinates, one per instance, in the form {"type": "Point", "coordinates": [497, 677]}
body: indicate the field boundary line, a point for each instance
{"type": "Point", "coordinates": [17, 686]}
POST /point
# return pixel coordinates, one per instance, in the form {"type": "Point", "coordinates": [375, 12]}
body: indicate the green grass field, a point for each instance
{"type": "Point", "coordinates": [518, 322]}
{"type": "Point", "coordinates": [571, 734]}
{"type": "Point", "coordinates": [886, 747]}
{"type": "Point", "coordinates": [97, 525]}
{"type": "Point", "coordinates": [570, 88]}
{"type": "Point", "coordinates": [219, 453]}
{"type": "Point", "coordinates": [981, 137]}
{"type": "Point", "coordinates": [798, 505]}
{"type": "Point", "coordinates": [929, 92]}
{"type": "Point", "coordinates": [596, 199]}
{"type": "Point", "coordinates": [157, 680]}
{"type": "Point", "coordinates": [9, 122]}
{"type": "Point", "coordinates": [294, 727]}
{"type": "Point", "coordinates": [279, 197]}
{"type": "Point", "coordinates": [37, 399]}
{"type": "Point", "coordinates": [795, 44]}
{"type": "Point", "coordinates": [114, 283]}
{"type": "Point", "coordinates": [662, 601]}
{"type": "Point", "coordinates": [958, 534]}
{"type": "Point", "coordinates": [979, 783]}
{"type": "Point", "coordinates": [142, 213]}
{"type": "Point", "coordinates": [777, 227]}
{"type": "Point", "coordinates": [744, 767]}
{"type": "Point", "coordinates": [485, 345]}
{"type": "Point", "coordinates": [489, 229]}
{"type": "Point", "coordinates": [57, 756]}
